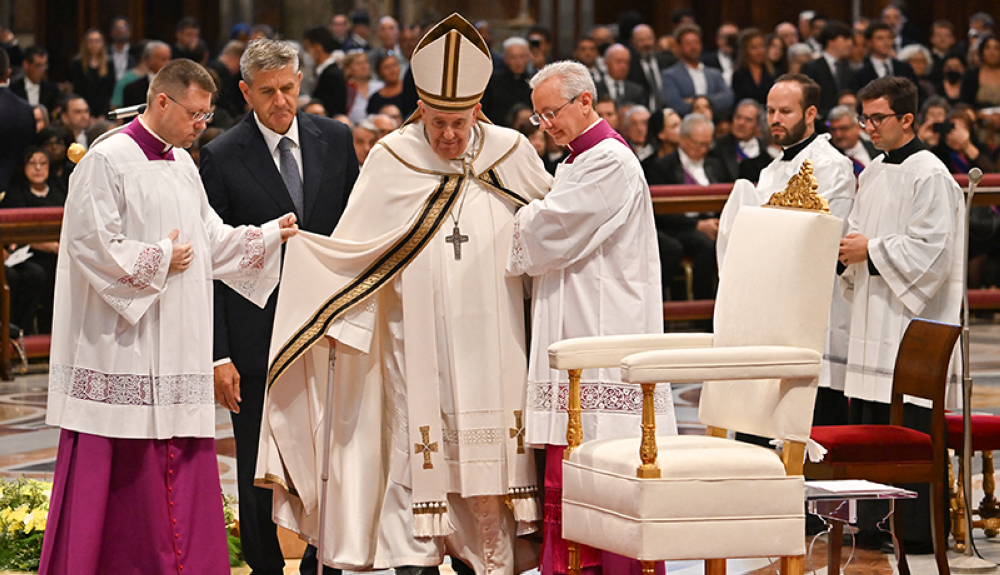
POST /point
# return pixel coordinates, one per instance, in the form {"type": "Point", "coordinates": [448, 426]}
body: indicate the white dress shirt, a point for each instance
{"type": "Point", "coordinates": [272, 139]}
{"type": "Point", "coordinates": [694, 169]}
{"type": "Point", "coordinates": [698, 78]}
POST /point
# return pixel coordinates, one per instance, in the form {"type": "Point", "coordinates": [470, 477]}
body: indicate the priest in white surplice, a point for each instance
{"type": "Point", "coordinates": [591, 248]}
{"type": "Point", "coordinates": [903, 253]}
{"type": "Point", "coordinates": [130, 384]}
{"type": "Point", "coordinates": [791, 112]}
{"type": "Point", "coordinates": [407, 307]}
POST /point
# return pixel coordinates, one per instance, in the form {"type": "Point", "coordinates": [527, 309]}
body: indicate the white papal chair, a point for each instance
{"type": "Point", "coordinates": [666, 498]}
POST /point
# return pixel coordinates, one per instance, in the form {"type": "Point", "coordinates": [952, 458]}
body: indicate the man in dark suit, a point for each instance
{"type": "Point", "coordinates": [615, 83]}
{"type": "Point", "coordinates": [724, 56]}
{"type": "Point", "coordinates": [509, 83]}
{"type": "Point", "coordinates": [845, 135]}
{"type": "Point", "coordinates": [831, 69]}
{"type": "Point", "coordinates": [34, 87]}
{"type": "Point", "coordinates": [690, 77]}
{"type": "Point", "coordinates": [682, 235]}
{"type": "Point", "coordinates": [275, 161]}
{"type": "Point", "coordinates": [331, 87]}
{"type": "Point", "coordinates": [17, 125]}
{"type": "Point", "coordinates": [155, 56]}
{"type": "Point", "coordinates": [880, 62]}
{"type": "Point", "coordinates": [227, 68]}
{"type": "Point", "coordinates": [646, 66]}
{"type": "Point", "coordinates": [736, 150]}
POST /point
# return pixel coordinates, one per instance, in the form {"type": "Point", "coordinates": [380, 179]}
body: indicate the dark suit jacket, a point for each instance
{"type": "Point", "coordinates": [725, 151]}
{"type": "Point", "coordinates": [331, 89]}
{"type": "Point", "coordinates": [245, 187]}
{"type": "Point", "coordinates": [819, 71]}
{"type": "Point", "coordinates": [504, 90]}
{"type": "Point", "coordinates": [669, 171]}
{"type": "Point", "coordinates": [17, 130]}
{"type": "Point", "coordinates": [134, 93]}
{"type": "Point", "coordinates": [635, 93]}
{"type": "Point", "coordinates": [48, 93]}
{"type": "Point", "coordinates": [867, 72]}
{"type": "Point", "coordinates": [638, 75]}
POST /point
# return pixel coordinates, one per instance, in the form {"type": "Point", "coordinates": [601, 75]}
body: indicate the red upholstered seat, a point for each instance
{"type": "Point", "coordinates": [872, 443]}
{"type": "Point", "coordinates": [985, 432]}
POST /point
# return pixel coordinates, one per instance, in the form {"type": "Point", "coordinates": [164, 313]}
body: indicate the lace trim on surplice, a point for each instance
{"type": "Point", "coordinates": [252, 264]}
{"type": "Point", "coordinates": [131, 389]}
{"type": "Point", "coordinates": [517, 264]}
{"type": "Point", "coordinates": [120, 294]}
{"type": "Point", "coordinates": [596, 397]}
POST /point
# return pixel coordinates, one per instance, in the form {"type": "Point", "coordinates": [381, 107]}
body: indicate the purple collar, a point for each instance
{"type": "Point", "coordinates": [587, 140]}
{"type": "Point", "coordinates": [152, 147]}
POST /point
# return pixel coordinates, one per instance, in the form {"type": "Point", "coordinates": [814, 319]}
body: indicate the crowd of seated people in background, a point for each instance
{"type": "Point", "coordinates": [691, 111]}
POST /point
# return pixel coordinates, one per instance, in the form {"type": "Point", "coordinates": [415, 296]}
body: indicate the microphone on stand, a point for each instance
{"type": "Point", "coordinates": [968, 563]}
{"type": "Point", "coordinates": [123, 113]}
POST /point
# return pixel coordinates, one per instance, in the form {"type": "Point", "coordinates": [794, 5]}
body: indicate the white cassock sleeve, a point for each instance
{"type": "Point", "coordinates": [128, 274]}
{"type": "Point", "coordinates": [245, 258]}
{"type": "Point", "coordinates": [916, 261]}
{"type": "Point", "coordinates": [578, 214]}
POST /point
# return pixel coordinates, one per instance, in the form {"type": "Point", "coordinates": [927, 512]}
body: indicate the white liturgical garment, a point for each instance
{"type": "Point", "coordinates": [591, 249]}
{"type": "Point", "coordinates": [835, 176]}
{"type": "Point", "coordinates": [429, 368]}
{"type": "Point", "coordinates": [913, 216]}
{"type": "Point", "coordinates": [131, 344]}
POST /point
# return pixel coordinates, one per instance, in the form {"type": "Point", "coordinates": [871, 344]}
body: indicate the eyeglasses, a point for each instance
{"type": "Point", "coordinates": [195, 116]}
{"type": "Point", "coordinates": [875, 119]}
{"type": "Point", "coordinates": [536, 119]}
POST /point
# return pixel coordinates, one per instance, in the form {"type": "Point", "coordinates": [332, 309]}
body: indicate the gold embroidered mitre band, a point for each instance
{"type": "Point", "coordinates": [451, 65]}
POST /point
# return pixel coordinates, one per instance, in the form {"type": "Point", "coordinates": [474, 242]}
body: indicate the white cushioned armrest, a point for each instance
{"type": "Point", "coordinates": [721, 363]}
{"type": "Point", "coordinates": [608, 351]}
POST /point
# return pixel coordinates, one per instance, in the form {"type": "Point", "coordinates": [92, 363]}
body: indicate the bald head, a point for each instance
{"type": "Point", "coordinates": [643, 39]}
{"type": "Point", "coordinates": [617, 59]}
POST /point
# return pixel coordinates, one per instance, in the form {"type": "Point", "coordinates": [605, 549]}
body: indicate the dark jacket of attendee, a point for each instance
{"type": "Point", "coordinates": [94, 88]}
{"type": "Point", "coordinates": [668, 170]}
{"type": "Point", "coordinates": [134, 93]}
{"type": "Point", "coordinates": [331, 89]}
{"type": "Point", "coordinates": [867, 72]}
{"type": "Point", "coordinates": [19, 195]}
{"type": "Point", "coordinates": [733, 168]}
{"type": "Point", "coordinates": [745, 87]}
{"type": "Point", "coordinates": [634, 92]}
{"type": "Point", "coordinates": [829, 87]}
{"type": "Point", "coordinates": [230, 97]}
{"type": "Point", "coordinates": [48, 93]}
{"type": "Point", "coordinates": [504, 90]}
{"type": "Point", "coordinates": [17, 130]}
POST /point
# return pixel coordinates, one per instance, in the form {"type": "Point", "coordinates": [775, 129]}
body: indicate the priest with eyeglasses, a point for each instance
{"type": "Point", "coordinates": [406, 316]}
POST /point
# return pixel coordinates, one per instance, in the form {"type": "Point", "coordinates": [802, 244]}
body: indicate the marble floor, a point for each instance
{"type": "Point", "coordinates": [28, 449]}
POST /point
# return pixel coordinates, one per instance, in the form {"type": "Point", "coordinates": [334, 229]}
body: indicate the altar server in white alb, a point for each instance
{"type": "Point", "coordinates": [130, 383]}
{"type": "Point", "coordinates": [408, 302]}
{"type": "Point", "coordinates": [903, 253]}
{"type": "Point", "coordinates": [590, 246]}
{"type": "Point", "coordinates": [791, 112]}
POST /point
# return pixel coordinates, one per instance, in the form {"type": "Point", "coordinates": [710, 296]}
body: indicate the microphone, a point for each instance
{"type": "Point", "coordinates": [975, 176]}
{"type": "Point", "coordinates": [122, 113]}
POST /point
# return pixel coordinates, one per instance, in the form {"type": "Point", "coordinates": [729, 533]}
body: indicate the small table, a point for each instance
{"type": "Point", "coordinates": [838, 501]}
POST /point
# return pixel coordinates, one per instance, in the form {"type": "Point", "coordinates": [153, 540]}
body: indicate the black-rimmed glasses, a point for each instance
{"type": "Point", "coordinates": [875, 119]}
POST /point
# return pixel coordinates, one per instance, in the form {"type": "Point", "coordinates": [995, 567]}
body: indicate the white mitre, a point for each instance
{"type": "Point", "coordinates": [451, 66]}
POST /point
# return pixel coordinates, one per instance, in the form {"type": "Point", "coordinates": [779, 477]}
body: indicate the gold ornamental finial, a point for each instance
{"type": "Point", "coordinates": [801, 192]}
{"type": "Point", "coordinates": [75, 152]}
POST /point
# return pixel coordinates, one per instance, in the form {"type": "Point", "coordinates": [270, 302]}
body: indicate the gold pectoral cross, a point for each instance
{"type": "Point", "coordinates": [426, 447]}
{"type": "Point", "coordinates": [518, 432]}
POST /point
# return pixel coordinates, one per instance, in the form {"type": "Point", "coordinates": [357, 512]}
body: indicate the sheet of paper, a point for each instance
{"type": "Point", "coordinates": [20, 255]}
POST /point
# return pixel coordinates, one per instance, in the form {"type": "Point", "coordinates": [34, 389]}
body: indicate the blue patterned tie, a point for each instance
{"type": "Point", "coordinates": [290, 174]}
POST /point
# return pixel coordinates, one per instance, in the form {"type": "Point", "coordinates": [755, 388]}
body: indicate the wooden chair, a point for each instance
{"type": "Point", "coordinates": [894, 454]}
{"type": "Point", "coordinates": [985, 440]}
{"type": "Point", "coordinates": [664, 498]}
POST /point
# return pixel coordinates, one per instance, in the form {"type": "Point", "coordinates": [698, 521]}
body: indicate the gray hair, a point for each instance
{"type": "Point", "coordinates": [841, 111]}
{"type": "Point", "coordinates": [693, 120]}
{"type": "Point", "coordinates": [798, 50]}
{"type": "Point", "coordinates": [153, 46]}
{"type": "Point", "coordinates": [633, 110]}
{"type": "Point", "coordinates": [912, 50]}
{"type": "Point", "coordinates": [514, 41]}
{"type": "Point", "coordinates": [574, 77]}
{"type": "Point", "coordinates": [263, 55]}
{"type": "Point", "coordinates": [749, 102]}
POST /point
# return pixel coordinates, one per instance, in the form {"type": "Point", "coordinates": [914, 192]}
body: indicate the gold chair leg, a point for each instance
{"type": "Point", "coordinates": [575, 562]}
{"type": "Point", "coordinates": [989, 509]}
{"type": "Point", "coordinates": [649, 568]}
{"type": "Point", "coordinates": [958, 508]}
{"type": "Point", "coordinates": [794, 565]}
{"type": "Point", "coordinates": [715, 567]}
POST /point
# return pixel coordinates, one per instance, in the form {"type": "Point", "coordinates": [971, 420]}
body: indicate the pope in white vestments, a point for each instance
{"type": "Point", "coordinates": [590, 247]}
{"type": "Point", "coordinates": [131, 384]}
{"type": "Point", "coordinates": [406, 316]}
{"type": "Point", "coordinates": [791, 118]}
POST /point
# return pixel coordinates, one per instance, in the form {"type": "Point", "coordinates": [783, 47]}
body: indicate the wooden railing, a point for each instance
{"type": "Point", "coordinates": [23, 226]}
